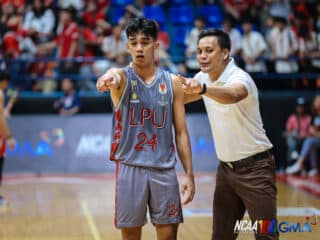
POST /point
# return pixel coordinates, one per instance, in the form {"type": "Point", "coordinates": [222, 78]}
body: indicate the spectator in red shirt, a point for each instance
{"type": "Point", "coordinates": [18, 4]}
{"type": "Point", "coordinates": [10, 45]}
{"type": "Point", "coordinates": [237, 9]}
{"type": "Point", "coordinates": [88, 47]}
{"type": "Point", "coordinates": [65, 43]}
{"type": "Point", "coordinates": [297, 129]}
{"type": "Point", "coordinates": [92, 15]}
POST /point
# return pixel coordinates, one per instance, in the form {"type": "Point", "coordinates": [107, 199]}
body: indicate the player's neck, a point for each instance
{"type": "Point", "coordinates": [147, 74]}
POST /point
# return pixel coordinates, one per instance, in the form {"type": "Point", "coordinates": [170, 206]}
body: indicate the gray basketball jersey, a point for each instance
{"type": "Point", "coordinates": [142, 122]}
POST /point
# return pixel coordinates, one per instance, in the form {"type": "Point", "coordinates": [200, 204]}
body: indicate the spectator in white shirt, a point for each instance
{"type": "Point", "coordinates": [39, 22]}
{"type": "Point", "coordinates": [308, 48]}
{"type": "Point", "coordinates": [284, 47]}
{"type": "Point", "coordinates": [115, 48]}
{"type": "Point", "coordinates": [253, 47]}
{"type": "Point", "coordinates": [76, 4]}
{"type": "Point", "coordinates": [191, 43]}
{"type": "Point", "coordinates": [235, 37]}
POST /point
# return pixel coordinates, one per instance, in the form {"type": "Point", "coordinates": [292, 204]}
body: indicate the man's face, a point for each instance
{"type": "Point", "coordinates": [199, 24]}
{"type": "Point", "coordinates": [116, 32]}
{"type": "Point", "coordinates": [280, 25]}
{"type": "Point", "coordinates": [246, 27]}
{"type": "Point", "coordinates": [66, 85]}
{"type": "Point", "coordinates": [141, 48]}
{"type": "Point", "coordinates": [210, 55]}
{"type": "Point", "coordinates": [65, 16]}
{"type": "Point", "coordinates": [226, 26]}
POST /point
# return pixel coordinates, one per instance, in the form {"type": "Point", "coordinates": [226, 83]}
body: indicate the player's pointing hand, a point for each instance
{"type": "Point", "coordinates": [110, 80]}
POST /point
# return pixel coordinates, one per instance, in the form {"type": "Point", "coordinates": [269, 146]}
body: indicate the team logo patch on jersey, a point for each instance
{"type": "Point", "coordinates": [163, 101]}
{"type": "Point", "coordinates": [162, 88]}
{"type": "Point", "coordinates": [134, 95]}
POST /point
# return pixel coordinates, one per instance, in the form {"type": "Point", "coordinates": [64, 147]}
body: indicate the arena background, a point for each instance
{"type": "Point", "coordinates": [59, 183]}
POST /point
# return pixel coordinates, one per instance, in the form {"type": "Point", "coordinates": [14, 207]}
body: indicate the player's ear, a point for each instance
{"type": "Point", "coordinates": [156, 45]}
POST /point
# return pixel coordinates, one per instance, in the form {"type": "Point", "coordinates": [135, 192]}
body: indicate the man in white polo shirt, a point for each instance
{"type": "Point", "coordinates": [246, 173]}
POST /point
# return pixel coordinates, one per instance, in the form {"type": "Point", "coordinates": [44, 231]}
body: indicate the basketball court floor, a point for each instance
{"type": "Point", "coordinates": [81, 207]}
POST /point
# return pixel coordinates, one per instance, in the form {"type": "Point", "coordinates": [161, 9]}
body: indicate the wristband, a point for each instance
{"type": "Point", "coordinates": [204, 89]}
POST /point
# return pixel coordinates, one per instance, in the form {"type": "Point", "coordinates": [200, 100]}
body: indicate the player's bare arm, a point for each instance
{"type": "Point", "coordinates": [183, 143]}
{"type": "Point", "coordinates": [190, 98]}
{"type": "Point", "coordinates": [4, 129]}
{"type": "Point", "coordinates": [114, 80]}
{"type": "Point", "coordinates": [225, 95]}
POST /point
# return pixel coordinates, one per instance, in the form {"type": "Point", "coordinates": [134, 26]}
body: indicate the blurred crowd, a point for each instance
{"type": "Point", "coordinates": [43, 41]}
{"type": "Point", "coordinates": [303, 138]}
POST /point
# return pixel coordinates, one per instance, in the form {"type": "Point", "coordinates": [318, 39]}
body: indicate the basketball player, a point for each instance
{"type": "Point", "coordinates": [5, 135]}
{"type": "Point", "coordinates": [246, 172]}
{"type": "Point", "coordinates": [148, 104]}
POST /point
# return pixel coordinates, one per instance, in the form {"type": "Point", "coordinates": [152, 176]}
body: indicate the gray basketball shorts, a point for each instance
{"type": "Point", "coordinates": [139, 188]}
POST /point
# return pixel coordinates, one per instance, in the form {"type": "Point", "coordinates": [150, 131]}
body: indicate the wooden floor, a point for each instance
{"type": "Point", "coordinates": [81, 208]}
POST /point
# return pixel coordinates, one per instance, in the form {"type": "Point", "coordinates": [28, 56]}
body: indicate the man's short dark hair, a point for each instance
{"type": "Point", "coordinates": [280, 19]}
{"type": "Point", "coordinates": [4, 76]}
{"type": "Point", "coordinates": [201, 18]}
{"type": "Point", "coordinates": [142, 25]}
{"type": "Point", "coordinates": [223, 37]}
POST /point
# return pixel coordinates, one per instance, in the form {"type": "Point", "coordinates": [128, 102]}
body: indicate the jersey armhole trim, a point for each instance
{"type": "Point", "coordinates": [116, 108]}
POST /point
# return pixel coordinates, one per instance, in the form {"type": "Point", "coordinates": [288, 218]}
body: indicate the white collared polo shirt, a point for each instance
{"type": "Point", "coordinates": [237, 128]}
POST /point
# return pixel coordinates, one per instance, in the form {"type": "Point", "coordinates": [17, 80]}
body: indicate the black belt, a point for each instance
{"type": "Point", "coordinates": [248, 160]}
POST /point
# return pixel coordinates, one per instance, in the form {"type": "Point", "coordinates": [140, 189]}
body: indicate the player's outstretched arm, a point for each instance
{"type": "Point", "coordinates": [114, 80]}
{"type": "Point", "coordinates": [4, 129]}
{"type": "Point", "coordinates": [187, 187]}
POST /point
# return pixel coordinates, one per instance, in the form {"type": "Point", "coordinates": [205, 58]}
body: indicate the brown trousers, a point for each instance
{"type": "Point", "coordinates": [250, 187]}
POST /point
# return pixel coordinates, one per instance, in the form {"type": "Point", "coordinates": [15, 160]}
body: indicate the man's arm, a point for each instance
{"type": "Point", "coordinates": [187, 188]}
{"type": "Point", "coordinates": [70, 111]}
{"type": "Point", "coordinates": [224, 95]}
{"type": "Point", "coordinates": [189, 98]}
{"type": "Point", "coordinates": [72, 49]}
{"type": "Point", "coordinates": [114, 80]}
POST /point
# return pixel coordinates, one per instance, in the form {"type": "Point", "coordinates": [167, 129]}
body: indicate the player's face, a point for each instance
{"type": "Point", "coordinates": [209, 54]}
{"type": "Point", "coordinates": [141, 49]}
{"type": "Point", "coordinates": [4, 85]}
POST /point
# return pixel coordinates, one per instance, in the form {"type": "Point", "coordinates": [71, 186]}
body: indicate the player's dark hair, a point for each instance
{"type": "Point", "coordinates": [4, 76]}
{"type": "Point", "coordinates": [223, 37]}
{"type": "Point", "coordinates": [142, 25]}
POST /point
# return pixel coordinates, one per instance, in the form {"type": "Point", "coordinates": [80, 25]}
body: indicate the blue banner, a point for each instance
{"type": "Point", "coordinates": [81, 144]}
